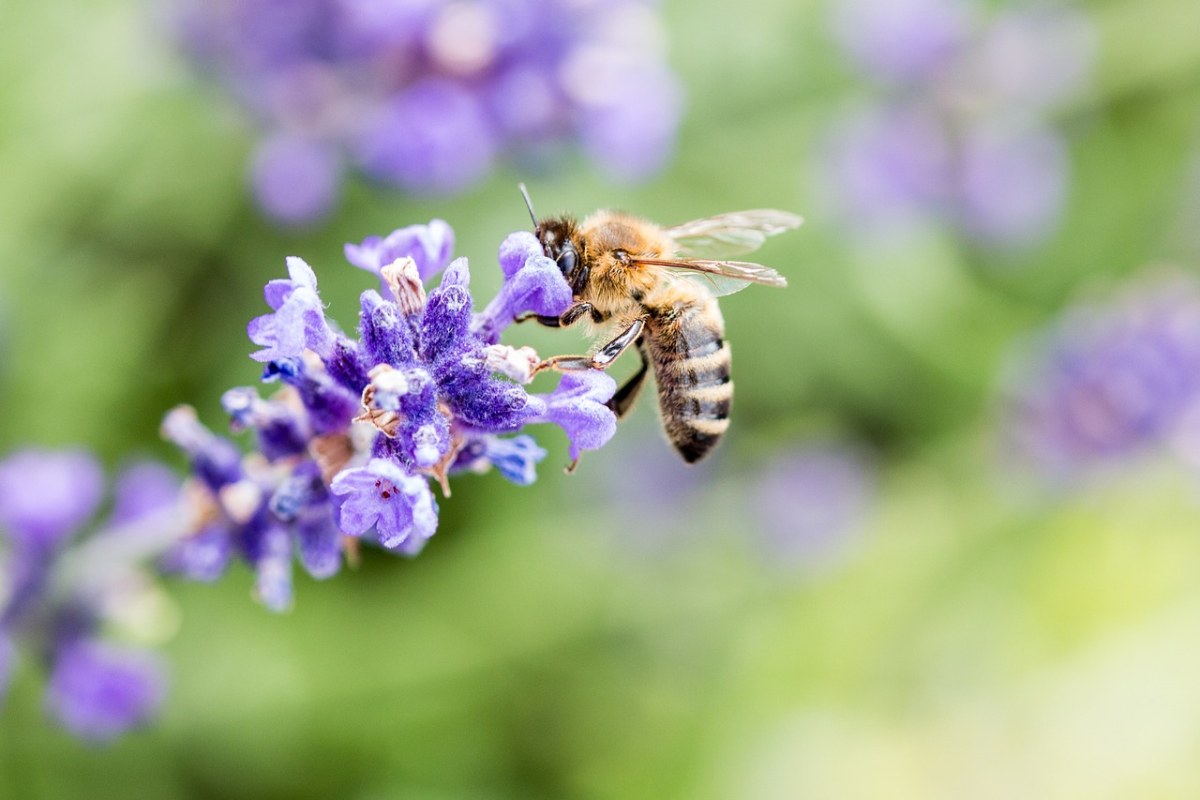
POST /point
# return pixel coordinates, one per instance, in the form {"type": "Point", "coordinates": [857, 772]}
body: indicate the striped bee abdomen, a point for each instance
{"type": "Point", "coordinates": [691, 365]}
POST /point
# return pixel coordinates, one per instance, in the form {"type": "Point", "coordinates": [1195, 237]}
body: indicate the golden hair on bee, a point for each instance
{"type": "Point", "coordinates": [654, 289]}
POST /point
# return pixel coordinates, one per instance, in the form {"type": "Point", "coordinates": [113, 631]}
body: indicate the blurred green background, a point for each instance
{"type": "Point", "coordinates": [586, 637]}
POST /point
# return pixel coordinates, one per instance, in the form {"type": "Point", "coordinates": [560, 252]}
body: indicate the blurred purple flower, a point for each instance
{"type": "Point", "coordinates": [903, 40]}
{"type": "Point", "coordinates": [956, 133]}
{"type": "Point", "coordinates": [812, 502]}
{"type": "Point", "coordinates": [1108, 381]}
{"type": "Point", "coordinates": [98, 691]}
{"type": "Point", "coordinates": [433, 137]}
{"type": "Point", "coordinates": [296, 180]}
{"type": "Point", "coordinates": [426, 95]}
{"type": "Point", "coordinates": [892, 164]}
{"type": "Point", "coordinates": [66, 584]}
{"type": "Point", "coordinates": [1011, 185]}
{"type": "Point", "coordinates": [46, 496]}
{"type": "Point", "coordinates": [143, 489]}
{"type": "Point", "coordinates": [347, 448]}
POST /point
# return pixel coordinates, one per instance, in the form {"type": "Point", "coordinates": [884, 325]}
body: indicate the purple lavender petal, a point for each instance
{"type": "Point", "coordinates": [1030, 58]}
{"type": "Point", "coordinates": [298, 322]}
{"type": "Point", "coordinates": [1108, 380]}
{"type": "Point", "coordinates": [297, 492]}
{"type": "Point", "coordinates": [144, 489]}
{"type": "Point", "coordinates": [902, 40]}
{"type": "Point", "coordinates": [45, 496]}
{"type": "Point", "coordinates": [433, 137]}
{"type": "Point", "coordinates": [425, 93]}
{"type": "Point", "coordinates": [345, 366]}
{"type": "Point", "coordinates": [516, 249]}
{"type": "Point", "coordinates": [538, 287]}
{"type": "Point", "coordinates": [430, 246]}
{"type": "Point", "coordinates": [527, 102]}
{"type": "Point", "coordinates": [577, 405]}
{"type": "Point", "coordinates": [296, 179]}
{"type": "Point", "coordinates": [99, 691]}
{"type": "Point", "coordinates": [423, 435]}
{"type": "Point", "coordinates": [381, 496]}
{"type": "Point", "coordinates": [459, 363]}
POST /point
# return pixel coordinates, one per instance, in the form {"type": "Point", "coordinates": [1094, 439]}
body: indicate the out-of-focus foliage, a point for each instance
{"type": "Point", "coordinates": [632, 630]}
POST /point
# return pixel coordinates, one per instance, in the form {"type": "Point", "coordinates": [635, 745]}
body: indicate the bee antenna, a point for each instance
{"type": "Point", "coordinates": [528, 204]}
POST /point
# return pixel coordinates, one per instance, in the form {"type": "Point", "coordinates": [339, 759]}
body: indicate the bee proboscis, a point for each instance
{"type": "Point", "coordinates": [656, 288]}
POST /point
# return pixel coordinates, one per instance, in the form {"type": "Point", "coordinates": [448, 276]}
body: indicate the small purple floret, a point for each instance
{"type": "Point", "coordinates": [381, 496]}
{"type": "Point", "coordinates": [577, 405]}
{"type": "Point", "coordinates": [430, 246]}
{"type": "Point", "coordinates": [298, 322]}
{"type": "Point", "coordinates": [535, 286]}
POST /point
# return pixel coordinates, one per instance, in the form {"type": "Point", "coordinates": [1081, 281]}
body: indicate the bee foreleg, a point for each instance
{"type": "Point", "coordinates": [566, 319]}
{"type": "Point", "coordinates": [541, 319]}
{"type": "Point", "coordinates": [603, 358]}
{"type": "Point", "coordinates": [576, 312]}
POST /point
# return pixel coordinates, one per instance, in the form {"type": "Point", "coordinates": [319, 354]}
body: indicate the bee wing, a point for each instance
{"type": "Point", "coordinates": [732, 234]}
{"type": "Point", "coordinates": [718, 277]}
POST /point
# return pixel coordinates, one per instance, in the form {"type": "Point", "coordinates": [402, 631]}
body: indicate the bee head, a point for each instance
{"type": "Point", "coordinates": [557, 237]}
{"type": "Point", "coordinates": [558, 242]}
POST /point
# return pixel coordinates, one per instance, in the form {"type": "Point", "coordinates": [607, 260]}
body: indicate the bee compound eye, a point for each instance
{"type": "Point", "coordinates": [567, 260]}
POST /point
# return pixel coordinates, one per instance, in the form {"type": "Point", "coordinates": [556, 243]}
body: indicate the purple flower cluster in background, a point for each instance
{"type": "Point", "coordinates": [79, 600]}
{"type": "Point", "coordinates": [812, 504]}
{"type": "Point", "coordinates": [958, 126]}
{"type": "Point", "coordinates": [348, 445]}
{"type": "Point", "coordinates": [426, 95]}
{"type": "Point", "coordinates": [1109, 380]}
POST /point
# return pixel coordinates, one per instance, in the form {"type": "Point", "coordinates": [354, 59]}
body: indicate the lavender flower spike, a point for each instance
{"type": "Point", "coordinates": [347, 448]}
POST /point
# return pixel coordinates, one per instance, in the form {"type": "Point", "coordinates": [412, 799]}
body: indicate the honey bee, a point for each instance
{"type": "Point", "coordinates": [656, 288]}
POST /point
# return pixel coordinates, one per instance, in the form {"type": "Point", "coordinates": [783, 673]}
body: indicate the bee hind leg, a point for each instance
{"type": "Point", "coordinates": [603, 358]}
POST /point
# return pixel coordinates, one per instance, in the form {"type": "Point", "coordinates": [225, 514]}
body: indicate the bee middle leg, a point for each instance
{"type": "Point", "coordinates": [603, 358]}
{"type": "Point", "coordinates": [625, 397]}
